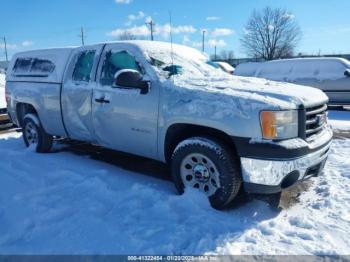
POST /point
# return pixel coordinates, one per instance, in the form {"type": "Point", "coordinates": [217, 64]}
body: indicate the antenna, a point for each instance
{"type": "Point", "coordinates": [171, 41]}
{"type": "Point", "coordinates": [203, 39]}
{"type": "Point", "coordinates": [152, 25]}
{"type": "Point", "coordinates": [82, 36]}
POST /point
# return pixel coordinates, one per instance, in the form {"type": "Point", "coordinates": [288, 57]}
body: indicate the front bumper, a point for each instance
{"type": "Point", "coordinates": [271, 175]}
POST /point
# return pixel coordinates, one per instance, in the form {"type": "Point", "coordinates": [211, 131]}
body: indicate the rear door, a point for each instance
{"type": "Point", "coordinates": [76, 97]}
{"type": "Point", "coordinates": [125, 119]}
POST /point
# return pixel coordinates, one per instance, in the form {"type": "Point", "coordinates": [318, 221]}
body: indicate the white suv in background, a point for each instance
{"type": "Point", "coordinates": [331, 75]}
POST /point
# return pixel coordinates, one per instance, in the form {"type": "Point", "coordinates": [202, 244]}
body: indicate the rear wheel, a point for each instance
{"type": "Point", "coordinates": [34, 134]}
{"type": "Point", "coordinates": [208, 166]}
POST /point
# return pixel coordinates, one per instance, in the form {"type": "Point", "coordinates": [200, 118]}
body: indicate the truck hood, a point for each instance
{"type": "Point", "coordinates": [275, 94]}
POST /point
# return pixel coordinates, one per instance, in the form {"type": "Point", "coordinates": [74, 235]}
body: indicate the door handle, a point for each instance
{"type": "Point", "coordinates": [102, 100]}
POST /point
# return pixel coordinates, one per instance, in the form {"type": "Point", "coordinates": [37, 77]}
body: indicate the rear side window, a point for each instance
{"type": "Point", "coordinates": [83, 66]}
{"type": "Point", "coordinates": [279, 71]}
{"type": "Point", "coordinates": [42, 66]}
{"type": "Point", "coordinates": [116, 61]}
{"type": "Point", "coordinates": [329, 70]}
{"type": "Point", "coordinates": [33, 67]}
{"type": "Point", "coordinates": [304, 70]}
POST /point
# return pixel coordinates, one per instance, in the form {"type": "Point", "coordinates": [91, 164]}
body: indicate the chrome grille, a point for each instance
{"type": "Point", "coordinates": [316, 120]}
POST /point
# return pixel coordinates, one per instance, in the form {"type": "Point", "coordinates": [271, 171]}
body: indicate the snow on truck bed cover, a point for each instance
{"type": "Point", "coordinates": [58, 56]}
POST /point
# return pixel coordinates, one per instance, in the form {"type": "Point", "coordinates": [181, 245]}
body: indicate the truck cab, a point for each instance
{"type": "Point", "coordinates": [217, 132]}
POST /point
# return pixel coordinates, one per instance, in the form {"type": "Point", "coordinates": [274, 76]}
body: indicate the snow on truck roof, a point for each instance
{"type": "Point", "coordinates": [163, 47]}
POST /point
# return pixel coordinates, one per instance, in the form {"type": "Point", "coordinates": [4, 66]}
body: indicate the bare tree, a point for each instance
{"type": "Point", "coordinates": [271, 34]}
{"type": "Point", "coordinates": [127, 36]}
{"type": "Point", "coordinates": [224, 55]}
{"type": "Point", "coordinates": [227, 55]}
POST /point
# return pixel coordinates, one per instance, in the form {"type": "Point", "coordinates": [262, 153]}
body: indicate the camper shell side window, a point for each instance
{"type": "Point", "coordinates": [33, 67]}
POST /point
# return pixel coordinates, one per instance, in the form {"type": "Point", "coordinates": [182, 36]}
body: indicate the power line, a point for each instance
{"type": "Point", "coordinates": [5, 46]}
{"type": "Point", "coordinates": [151, 24]}
{"type": "Point", "coordinates": [203, 39]}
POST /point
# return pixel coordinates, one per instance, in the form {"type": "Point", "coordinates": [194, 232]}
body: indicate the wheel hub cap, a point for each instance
{"type": "Point", "coordinates": [31, 134]}
{"type": "Point", "coordinates": [201, 173]}
{"type": "Point", "coordinates": [198, 171]}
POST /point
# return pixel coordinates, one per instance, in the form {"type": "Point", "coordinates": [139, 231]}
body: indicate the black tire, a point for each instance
{"type": "Point", "coordinates": [226, 162]}
{"type": "Point", "coordinates": [43, 143]}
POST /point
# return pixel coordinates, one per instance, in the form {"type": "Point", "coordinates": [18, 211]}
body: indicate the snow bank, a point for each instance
{"type": "Point", "coordinates": [339, 120]}
{"type": "Point", "coordinates": [62, 203]}
{"type": "Point", "coordinates": [319, 224]}
{"type": "Point", "coordinates": [2, 91]}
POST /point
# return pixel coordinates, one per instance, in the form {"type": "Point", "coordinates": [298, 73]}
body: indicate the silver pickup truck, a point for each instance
{"type": "Point", "coordinates": [218, 132]}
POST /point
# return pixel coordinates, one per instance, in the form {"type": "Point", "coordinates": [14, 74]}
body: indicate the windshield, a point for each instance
{"type": "Point", "coordinates": [176, 64]}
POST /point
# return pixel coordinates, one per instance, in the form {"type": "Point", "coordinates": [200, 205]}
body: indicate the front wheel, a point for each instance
{"type": "Point", "coordinates": [34, 134]}
{"type": "Point", "coordinates": [208, 166]}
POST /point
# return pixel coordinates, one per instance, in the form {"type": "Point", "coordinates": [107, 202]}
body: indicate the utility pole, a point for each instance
{"type": "Point", "coordinates": [215, 54]}
{"type": "Point", "coordinates": [5, 46]}
{"type": "Point", "coordinates": [151, 24]}
{"type": "Point", "coordinates": [82, 36]}
{"type": "Point", "coordinates": [203, 39]}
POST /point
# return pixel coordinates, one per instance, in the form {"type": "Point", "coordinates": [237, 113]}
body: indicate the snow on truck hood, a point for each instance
{"type": "Point", "coordinates": [197, 74]}
{"type": "Point", "coordinates": [283, 95]}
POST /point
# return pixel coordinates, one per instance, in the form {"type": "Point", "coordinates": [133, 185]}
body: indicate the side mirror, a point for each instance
{"type": "Point", "coordinates": [131, 79]}
{"type": "Point", "coordinates": [347, 72]}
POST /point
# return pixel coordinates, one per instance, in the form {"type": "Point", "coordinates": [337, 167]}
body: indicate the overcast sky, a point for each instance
{"type": "Point", "coordinates": [32, 24]}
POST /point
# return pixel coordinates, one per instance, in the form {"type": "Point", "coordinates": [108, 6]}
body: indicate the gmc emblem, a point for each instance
{"type": "Point", "coordinates": [321, 119]}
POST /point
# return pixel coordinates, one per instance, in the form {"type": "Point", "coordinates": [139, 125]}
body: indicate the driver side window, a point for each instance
{"type": "Point", "coordinates": [83, 66]}
{"type": "Point", "coordinates": [116, 61]}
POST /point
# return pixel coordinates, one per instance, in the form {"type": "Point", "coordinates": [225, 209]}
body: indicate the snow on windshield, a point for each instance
{"type": "Point", "coordinates": [181, 61]}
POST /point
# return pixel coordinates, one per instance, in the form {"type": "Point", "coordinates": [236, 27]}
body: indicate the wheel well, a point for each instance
{"type": "Point", "coordinates": [22, 109]}
{"type": "Point", "coordinates": [179, 132]}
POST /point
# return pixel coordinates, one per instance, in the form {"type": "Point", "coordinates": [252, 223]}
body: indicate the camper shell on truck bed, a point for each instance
{"type": "Point", "coordinates": [40, 73]}
{"type": "Point", "coordinates": [44, 66]}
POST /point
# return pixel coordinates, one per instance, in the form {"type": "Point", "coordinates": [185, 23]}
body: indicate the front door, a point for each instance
{"type": "Point", "coordinates": [125, 119]}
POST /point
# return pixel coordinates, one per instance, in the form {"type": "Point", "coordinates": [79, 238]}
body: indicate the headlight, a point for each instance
{"type": "Point", "coordinates": [279, 124]}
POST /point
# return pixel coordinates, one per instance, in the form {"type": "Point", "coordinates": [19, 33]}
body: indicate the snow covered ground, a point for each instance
{"type": "Point", "coordinates": [340, 120]}
{"type": "Point", "coordinates": [65, 202]}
